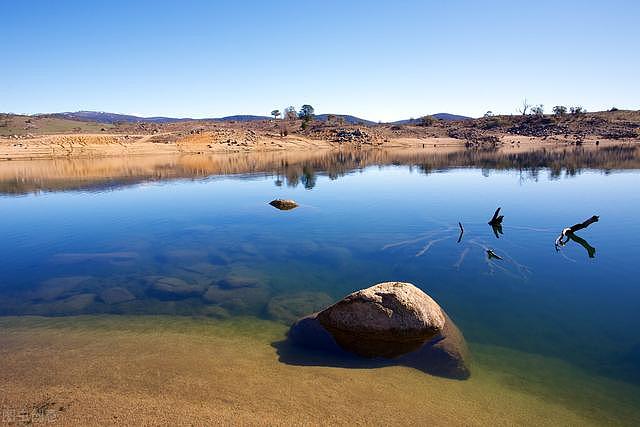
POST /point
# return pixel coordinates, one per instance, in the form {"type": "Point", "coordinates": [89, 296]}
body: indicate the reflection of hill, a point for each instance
{"type": "Point", "coordinates": [20, 177]}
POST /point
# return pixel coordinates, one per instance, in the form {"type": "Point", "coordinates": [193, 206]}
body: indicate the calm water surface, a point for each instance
{"type": "Point", "coordinates": [95, 237]}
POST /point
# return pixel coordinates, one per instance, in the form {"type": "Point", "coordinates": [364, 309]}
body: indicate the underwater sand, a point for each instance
{"type": "Point", "coordinates": [148, 370]}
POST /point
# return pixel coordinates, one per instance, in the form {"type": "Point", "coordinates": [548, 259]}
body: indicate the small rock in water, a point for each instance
{"type": "Point", "coordinates": [283, 205]}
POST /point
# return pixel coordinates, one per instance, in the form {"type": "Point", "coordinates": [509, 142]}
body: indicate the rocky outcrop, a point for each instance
{"type": "Point", "coordinates": [392, 320]}
{"type": "Point", "coordinates": [283, 205]}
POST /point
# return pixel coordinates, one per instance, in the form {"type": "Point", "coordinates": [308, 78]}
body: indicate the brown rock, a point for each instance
{"type": "Point", "coordinates": [389, 323]}
{"type": "Point", "coordinates": [283, 205]}
{"type": "Point", "coordinates": [385, 320]}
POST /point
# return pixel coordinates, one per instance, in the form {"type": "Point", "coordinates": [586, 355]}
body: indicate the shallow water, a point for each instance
{"type": "Point", "coordinates": [97, 236]}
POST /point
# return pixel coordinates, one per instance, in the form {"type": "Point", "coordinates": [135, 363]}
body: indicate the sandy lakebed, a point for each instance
{"type": "Point", "coordinates": [150, 370]}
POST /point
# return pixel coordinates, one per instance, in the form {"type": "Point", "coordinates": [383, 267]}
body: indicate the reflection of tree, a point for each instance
{"type": "Point", "coordinates": [308, 177]}
{"type": "Point", "coordinates": [296, 167]}
{"type": "Point", "coordinates": [569, 162]}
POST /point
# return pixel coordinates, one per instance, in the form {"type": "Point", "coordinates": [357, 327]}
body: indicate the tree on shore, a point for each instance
{"type": "Point", "coordinates": [577, 110]}
{"type": "Point", "coordinates": [538, 110]}
{"type": "Point", "coordinates": [525, 107]}
{"type": "Point", "coordinates": [559, 110]}
{"type": "Point", "coordinates": [275, 114]}
{"type": "Point", "coordinates": [426, 121]}
{"type": "Point", "coordinates": [290, 113]}
{"type": "Point", "coordinates": [306, 113]}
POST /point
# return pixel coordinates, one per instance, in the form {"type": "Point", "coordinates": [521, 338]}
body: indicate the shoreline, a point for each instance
{"type": "Point", "coordinates": [81, 146]}
{"type": "Point", "coordinates": [179, 370]}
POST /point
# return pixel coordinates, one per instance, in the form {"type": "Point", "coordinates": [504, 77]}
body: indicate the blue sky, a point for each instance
{"type": "Point", "coordinates": [379, 60]}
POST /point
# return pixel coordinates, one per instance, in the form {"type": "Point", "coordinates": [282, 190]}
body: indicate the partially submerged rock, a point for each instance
{"type": "Point", "coordinates": [283, 205]}
{"type": "Point", "coordinates": [385, 320]}
{"type": "Point", "coordinates": [392, 320]}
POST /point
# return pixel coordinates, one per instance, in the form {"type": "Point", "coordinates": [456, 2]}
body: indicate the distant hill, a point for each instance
{"type": "Point", "coordinates": [240, 118]}
{"type": "Point", "coordinates": [440, 116]}
{"type": "Point", "coordinates": [353, 120]}
{"type": "Point", "coordinates": [104, 117]}
{"type": "Point", "coordinates": [110, 118]}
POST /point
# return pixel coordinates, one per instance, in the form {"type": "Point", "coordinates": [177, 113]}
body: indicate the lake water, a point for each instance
{"type": "Point", "coordinates": [98, 236]}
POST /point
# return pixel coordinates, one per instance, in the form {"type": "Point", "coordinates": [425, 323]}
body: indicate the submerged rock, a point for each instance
{"type": "Point", "coordinates": [240, 300]}
{"type": "Point", "coordinates": [283, 205]}
{"type": "Point", "coordinates": [173, 288]}
{"type": "Point", "coordinates": [289, 308]}
{"type": "Point", "coordinates": [72, 305]}
{"type": "Point", "coordinates": [116, 295]}
{"type": "Point", "coordinates": [392, 320]}
{"type": "Point", "coordinates": [55, 288]}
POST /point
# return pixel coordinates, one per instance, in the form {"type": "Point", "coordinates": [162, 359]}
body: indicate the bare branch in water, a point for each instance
{"type": "Point", "coordinates": [428, 246]}
{"type": "Point", "coordinates": [497, 218]}
{"type": "Point", "coordinates": [461, 258]}
{"type": "Point", "coordinates": [568, 234]}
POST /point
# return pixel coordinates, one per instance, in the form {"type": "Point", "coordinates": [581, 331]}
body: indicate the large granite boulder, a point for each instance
{"type": "Point", "coordinates": [386, 320]}
{"type": "Point", "coordinates": [391, 320]}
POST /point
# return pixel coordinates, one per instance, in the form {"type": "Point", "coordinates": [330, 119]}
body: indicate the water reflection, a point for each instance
{"type": "Point", "coordinates": [301, 168]}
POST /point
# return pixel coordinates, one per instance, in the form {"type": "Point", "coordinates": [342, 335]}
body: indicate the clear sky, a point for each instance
{"type": "Point", "coordinates": [380, 60]}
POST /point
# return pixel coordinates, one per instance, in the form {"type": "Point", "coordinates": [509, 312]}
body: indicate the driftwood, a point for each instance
{"type": "Point", "coordinates": [461, 232]}
{"type": "Point", "coordinates": [497, 218]}
{"type": "Point", "coordinates": [569, 234]}
{"type": "Point", "coordinates": [496, 223]}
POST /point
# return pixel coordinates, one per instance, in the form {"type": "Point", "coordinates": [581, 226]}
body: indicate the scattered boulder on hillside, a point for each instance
{"type": "Point", "coordinates": [392, 320]}
{"type": "Point", "coordinates": [351, 135]}
{"type": "Point", "coordinates": [283, 205]}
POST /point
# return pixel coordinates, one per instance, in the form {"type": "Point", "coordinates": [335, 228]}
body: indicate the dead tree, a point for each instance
{"type": "Point", "coordinates": [525, 107]}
